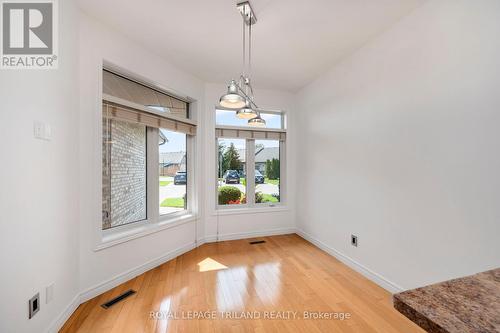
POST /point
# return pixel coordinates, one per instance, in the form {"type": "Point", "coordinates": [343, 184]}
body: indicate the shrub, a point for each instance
{"type": "Point", "coordinates": [259, 197]}
{"type": "Point", "coordinates": [229, 195]}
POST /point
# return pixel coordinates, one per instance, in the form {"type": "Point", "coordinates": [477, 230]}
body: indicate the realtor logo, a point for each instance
{"type": "Point", "coordinates": [29, 34]}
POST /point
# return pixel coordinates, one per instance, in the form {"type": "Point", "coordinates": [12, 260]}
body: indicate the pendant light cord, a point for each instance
{"type": "Point", "coordinates": [244, 48]}
{"type": "Point", "coordinates": [250, 47]}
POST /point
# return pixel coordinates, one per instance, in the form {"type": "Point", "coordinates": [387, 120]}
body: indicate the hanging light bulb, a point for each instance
{"type": "Point", "coordinates": [247, 112]}
{"type": "Point", "coordinates": [257, 121]}
{"type": "Point", "coordinates": [232, 100]}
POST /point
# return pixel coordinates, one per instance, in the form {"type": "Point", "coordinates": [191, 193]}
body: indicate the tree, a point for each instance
{"type": "Point", "coordinates": [276, 168]}
{"type": "Point", "coordinates": [269, 170]}
{"type": "Point", "coordinates": [231, 159]}
{"type": "Point", "coordinates": [273, 168]}
{"type": "Point", "coordinates": [221, 159]}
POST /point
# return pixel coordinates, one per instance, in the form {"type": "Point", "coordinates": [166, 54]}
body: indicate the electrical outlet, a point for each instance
{"type": "Point", "coordinates": [49, 293]}
{"type": "Point", "coordinates": [34, 305]}
{"type": "Point", "coordinates": [354, 240]}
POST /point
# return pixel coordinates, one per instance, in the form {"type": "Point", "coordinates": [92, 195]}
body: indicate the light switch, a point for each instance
{"type": "Point", "coordinates": [42, 130]}
{"type": "Point", "coordinates": [49, 293]}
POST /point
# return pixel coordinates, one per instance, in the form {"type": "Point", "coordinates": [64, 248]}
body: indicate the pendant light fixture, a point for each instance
{"type": "Point", "coordinates": [247, 112]}
{"type": "Point", "coordinates": [232, 100]}
{"type": "Point", "coordinates": [239, 94]}
{"type": "Point", "coordinates": [257, 121]}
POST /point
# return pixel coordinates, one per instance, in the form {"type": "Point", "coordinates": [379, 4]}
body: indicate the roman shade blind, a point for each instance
{"type": "Point", "coordinates": [127, 100]}
{"type": "Point", "coordinates": [253, 133]}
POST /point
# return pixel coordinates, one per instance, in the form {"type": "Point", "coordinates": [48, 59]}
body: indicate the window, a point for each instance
{"type": "Point", "coordinates": [172, 171]}
{"type": "Point", "coordinates": [123, 173]}
{"type": "Point", "coordinates": [231, 181]}
{"type": "Point", "coordinates": [273, 119]}
{"type": "Point", "coordinates": [250, 161]}
{"type": "Point", "coordinates": [146, 142]}
{"type": "Point", "coordinates": [267, 171]}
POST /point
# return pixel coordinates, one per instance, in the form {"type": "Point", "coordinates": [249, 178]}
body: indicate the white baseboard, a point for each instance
{"type": "Point", "coordinates": [100, 288]}
{"type": "Point", "coordinates": [132, 273]}
{"type": "Point", "coordinates": [250, 234]}
{"type": "Point", "coordinates": [58, 323]}
{"type": "Point", "coordinates": [368, 273]}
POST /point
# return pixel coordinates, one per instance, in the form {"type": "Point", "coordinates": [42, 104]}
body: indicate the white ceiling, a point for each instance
{"type": "Point", "coordinates": [294, 41]}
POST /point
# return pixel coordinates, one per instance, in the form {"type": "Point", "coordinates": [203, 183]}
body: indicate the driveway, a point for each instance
{"type": "Point", "coordinates": [267, 189]}
{"type": "Point", "coordinates": [170, 191]}
{"type": "Point", "coordinates": [264, 188]}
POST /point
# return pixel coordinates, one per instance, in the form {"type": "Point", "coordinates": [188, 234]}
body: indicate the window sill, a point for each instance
{"type": "Point", "coordinates": [122, 236]}
{"type": "Point", "coordinates": [249, 210]}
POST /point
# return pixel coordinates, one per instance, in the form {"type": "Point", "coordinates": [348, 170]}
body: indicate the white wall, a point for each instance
{"type": "Point", "coordinates": [399, 144]}
{"type": "Point", "coordinates": [39, 186]}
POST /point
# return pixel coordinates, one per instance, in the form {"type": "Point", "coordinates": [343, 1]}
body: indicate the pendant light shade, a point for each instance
{"type": "Point", "coordinates": [247, 112]}
{"type": "Point", "coordinates": [232, 100]}
{"type": "Point", "coordinates": [257, 122]}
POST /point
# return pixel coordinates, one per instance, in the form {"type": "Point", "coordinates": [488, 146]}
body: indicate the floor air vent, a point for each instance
{"type": "Point", "coordinates": [257, 242]}
{"type": "Point", "coordinates": [119, 298]}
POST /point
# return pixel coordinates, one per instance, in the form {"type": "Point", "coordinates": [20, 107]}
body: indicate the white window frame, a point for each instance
{"type": "Point", "coordinates": [153, 216]}
{"type": "Point", "coordinates": [283, 115]}
{"type": "Point", "coordinates": [282, 160]}
{"type": "Point", "coordinates": [250, 171]}
{"type": "Point", "coordinates": [245, 205]}
{"type": "Point", "coordinates": [190, 144]}
{"type": "Point", "coordinates": [154, 222]}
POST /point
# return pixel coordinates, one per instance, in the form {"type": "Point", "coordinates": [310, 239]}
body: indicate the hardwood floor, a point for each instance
{"type": "Point", "coordinates": [284, 274]}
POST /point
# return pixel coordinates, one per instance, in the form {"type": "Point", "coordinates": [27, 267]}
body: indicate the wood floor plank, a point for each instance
{"type": "Point", "coordinates": [286, 273]}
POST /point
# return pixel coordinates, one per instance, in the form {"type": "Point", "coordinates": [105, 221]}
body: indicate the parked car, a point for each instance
{"type": "Point", "coordinates": [259, 178]}
{"type": "Point", "coordinates": [180, 178]}
{"type": "Point", "coordinates": [231, 177]}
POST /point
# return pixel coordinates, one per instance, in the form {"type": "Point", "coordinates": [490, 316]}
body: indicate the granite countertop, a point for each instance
{"type": "Point", "coordinates": [465, 305]}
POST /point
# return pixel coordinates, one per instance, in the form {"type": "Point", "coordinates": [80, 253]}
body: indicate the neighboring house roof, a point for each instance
{"type": "Point", "coordinates": [173, 158]}
{"type": "Point", "coordinates": [262, 155]}
{"type": "Point", "coordinates": [267, 154]}
{"type": "Point", "coordinates": [242, 154]}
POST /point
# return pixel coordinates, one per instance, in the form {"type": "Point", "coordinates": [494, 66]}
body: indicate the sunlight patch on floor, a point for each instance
{"type": "Point", "coordinates": [210, 264]}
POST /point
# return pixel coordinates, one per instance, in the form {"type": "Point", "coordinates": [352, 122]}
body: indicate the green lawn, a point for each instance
{"type": "Point", "coordinates": [173, 202]}
{"type": "Point", "coordinates": [165, 182]}
{"type": "Point", "coordinates": [272, 181]}
{"type": "Point", "coordinates": [269, 198]}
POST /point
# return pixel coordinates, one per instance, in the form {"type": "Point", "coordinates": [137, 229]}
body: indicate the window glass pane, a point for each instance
{"type": "Point", "coordinates": [123, 173]}
{"type": "Point", "coordinates": [228, 118]}
{"type": "Point", "coordinates": [267, 171]}
{"type": "Point", "coordinates": [231, 171]}
{"type": "Point", "coordinates": [172, 171]}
